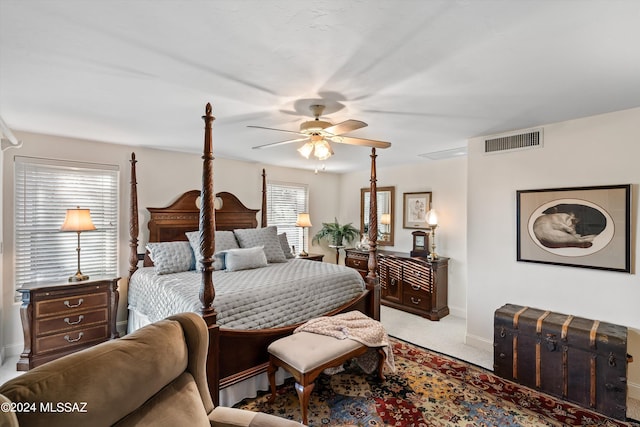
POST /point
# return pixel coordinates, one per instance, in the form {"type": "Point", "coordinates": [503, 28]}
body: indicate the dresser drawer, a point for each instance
{"type": "Point", "coordinates": [70, 339]}
{"type": "Point", "coordinates": [417, 277]}
{"type": "Point", "coordinates": [66, 304]}
{"type": "Point", "coordinates": [418, 300]}
{"type": "Point", "coordinates": [70, 321]}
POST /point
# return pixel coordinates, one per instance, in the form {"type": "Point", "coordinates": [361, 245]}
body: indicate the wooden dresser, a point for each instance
{"type": "Point", "coordinates": [59, 318]}
{"type": "Point", "coordinates": [412, 284]}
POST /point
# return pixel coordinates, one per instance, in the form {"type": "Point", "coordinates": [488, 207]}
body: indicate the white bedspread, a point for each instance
{"type": "Point", "coordinates": [279, 294]}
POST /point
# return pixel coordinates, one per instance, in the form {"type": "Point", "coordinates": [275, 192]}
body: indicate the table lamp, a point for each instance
{"type": "Point", "coordinates": [78, 220]}
{"type": "Point", "coordinates": [432, 221]}
{"type": "Point", "coordinates": [303, 221]}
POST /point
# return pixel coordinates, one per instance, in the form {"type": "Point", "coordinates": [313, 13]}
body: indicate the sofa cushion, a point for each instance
{"type": "Point", "coordinates": [129, 372]}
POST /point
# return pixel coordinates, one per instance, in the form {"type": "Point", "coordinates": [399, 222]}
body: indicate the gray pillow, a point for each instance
{"type": "Point", "coordinates": [266, 237]}
{"type": "Point", "coordinates": [245, 259]}
{"type": "Point", "coordinates": [286, 248]}
{"type": "Point", "coordinates": [225, 240]}
{"type": "Point", "coordinates": [171, 257]}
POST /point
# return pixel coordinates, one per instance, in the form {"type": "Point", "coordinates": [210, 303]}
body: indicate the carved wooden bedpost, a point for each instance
{"type": "Point", "coordinates": [263, 220]}
{"type": "Point", "coordinates": [133, 223]}
{"type": "Point", "coordinates": [207, 222]}
{"type": "Point", "coordinates": [207, 248]}
{"type": "Point", "coordinates": [372, 276]}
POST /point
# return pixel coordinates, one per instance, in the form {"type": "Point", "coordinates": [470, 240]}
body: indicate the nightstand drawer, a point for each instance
{"type": "Point", "coordinates": [71, 321]}
{"type": "Point", "coordinates": [70, 339]}
{"type": "Point", "coordinates": [75, 302]}
{"type": "Point", "coordinates": [357, 263]}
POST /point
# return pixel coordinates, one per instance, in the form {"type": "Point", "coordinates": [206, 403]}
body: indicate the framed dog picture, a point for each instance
{"type": "Point", "coordinates": [586, 227]}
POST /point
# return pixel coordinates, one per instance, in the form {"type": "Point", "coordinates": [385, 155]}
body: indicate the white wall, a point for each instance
{"type": "Point", "coordinates": [591, 151]}
{"type": "Point", "coordinates": [447, 180]}
{"type": "Point", "coordinates": [161, 177]}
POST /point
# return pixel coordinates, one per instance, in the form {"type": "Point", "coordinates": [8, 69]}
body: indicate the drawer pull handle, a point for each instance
{"type": "Point", "coordinates": [66, 337]}
{"type": "Point", "coordinates": [415, 287]}
{"type": "Point", "coordinates": [80, 319]}
{"type": "Point", "coordinates": [416, 300]}
{"type": "Point", "coordinates": [394, 281]}
{"type": "Point", "coordinates": [68, 304]}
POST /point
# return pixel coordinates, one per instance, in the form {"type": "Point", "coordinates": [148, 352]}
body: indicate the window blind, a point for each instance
{"type": "Point", "coordinates": [44, 190]}
{"type": "Point", "coordinates": [284, 202]}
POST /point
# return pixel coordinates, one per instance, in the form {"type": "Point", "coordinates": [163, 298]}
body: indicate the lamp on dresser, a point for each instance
{"type": "Point", "coordinates": [432, 221]}
{"type": "Point", "coordinates": [303, 221]}
{"type": "Point", "coordinates": [78, 220]}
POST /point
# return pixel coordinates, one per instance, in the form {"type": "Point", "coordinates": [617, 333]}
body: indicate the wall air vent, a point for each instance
{"type": "Point", "coordinates": [520, 141]}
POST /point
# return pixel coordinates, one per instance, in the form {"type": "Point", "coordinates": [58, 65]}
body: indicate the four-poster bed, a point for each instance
{"type": "Point", "coordinates": [236, 355]}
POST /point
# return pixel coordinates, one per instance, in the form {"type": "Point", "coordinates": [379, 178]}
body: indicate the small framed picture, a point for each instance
{"type": "Point", "coordinates": [587, 227]}
{"type": "Point", "coordinates": [415, 208]}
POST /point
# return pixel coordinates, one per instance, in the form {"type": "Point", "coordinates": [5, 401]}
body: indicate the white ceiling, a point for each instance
{"type": "Point", "coordinates": [425, 75]}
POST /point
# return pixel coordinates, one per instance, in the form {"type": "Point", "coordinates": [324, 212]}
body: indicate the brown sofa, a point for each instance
{"type": "Point", "coordinates": [152, 377]}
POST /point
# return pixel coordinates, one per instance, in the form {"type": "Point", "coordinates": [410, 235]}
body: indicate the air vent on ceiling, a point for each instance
{"type": "Point", "coordinates": [531, 139]}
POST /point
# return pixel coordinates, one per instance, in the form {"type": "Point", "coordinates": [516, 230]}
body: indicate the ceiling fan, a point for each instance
{"type": "Point", "coordinates": [319, 133]}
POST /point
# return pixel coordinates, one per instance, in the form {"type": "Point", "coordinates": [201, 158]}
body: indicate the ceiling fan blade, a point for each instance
{"type": "Point", "coordinates": [363, 142]}
{"type": "Point", "coordinates": [288, 141]}
{"type": "Point", "coordinates": [279, 130]}
{"type": "Point", "coordinates": [344, 127]}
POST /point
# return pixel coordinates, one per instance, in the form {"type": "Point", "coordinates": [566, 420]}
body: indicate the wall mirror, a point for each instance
{"type": "Point", "coordinates": [386, 218]}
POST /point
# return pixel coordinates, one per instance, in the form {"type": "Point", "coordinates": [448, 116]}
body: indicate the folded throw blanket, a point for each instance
{"type": "Point", "coordinates": [353, 325]}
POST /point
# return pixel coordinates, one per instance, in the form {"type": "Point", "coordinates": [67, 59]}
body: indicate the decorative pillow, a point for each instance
{"type": "Point", "coordinates": [284, 243]}
{"type": "Point", "coordinates": [225, 240]}
{"type": "Point", "coordinates": [267, 237]}
{"type": "Point", "coordinates": [171, 257]}
{"type": "Point", "coordinates": [245, 259]}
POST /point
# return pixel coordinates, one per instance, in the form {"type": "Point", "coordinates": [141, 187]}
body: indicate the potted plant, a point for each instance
{"type": "Point", "coordinates": [336, 234]}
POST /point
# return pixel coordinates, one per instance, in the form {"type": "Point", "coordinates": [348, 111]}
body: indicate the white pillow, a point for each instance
{"type": "Point", "coordinates": [245, 259]}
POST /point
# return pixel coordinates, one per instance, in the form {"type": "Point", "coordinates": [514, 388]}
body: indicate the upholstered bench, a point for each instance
{"type": "Point", "coordinates": [305, 355]}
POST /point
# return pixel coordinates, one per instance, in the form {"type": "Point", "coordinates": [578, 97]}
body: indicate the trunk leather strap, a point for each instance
{"type": "Point", "coordinates": [592, 342]}
{"type": "Point", "coordinates": [538, 346]}
{"type": "Point", "coordinates": [565, 356]}
{"type": "Point", "coordinates": [516, 319]}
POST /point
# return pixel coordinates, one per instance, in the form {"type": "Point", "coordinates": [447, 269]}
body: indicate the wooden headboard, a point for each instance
{"type": "Point", "coordinates": [170, 223]}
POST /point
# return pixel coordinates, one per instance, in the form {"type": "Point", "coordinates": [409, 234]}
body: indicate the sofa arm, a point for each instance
{"type": "Point", "coordinates": [232, 417]}
{"type": "Point", "coordinates": [7, 418]}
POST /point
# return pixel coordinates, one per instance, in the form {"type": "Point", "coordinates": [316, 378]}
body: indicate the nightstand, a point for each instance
{"type": "Point", "coordinates": [59, 318]}
{"type": "Point", "coordinates": [312, 257]}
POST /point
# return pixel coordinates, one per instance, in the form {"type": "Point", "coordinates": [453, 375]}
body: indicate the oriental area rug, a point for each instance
{"type": "Point", "coordinates": [427, 389]}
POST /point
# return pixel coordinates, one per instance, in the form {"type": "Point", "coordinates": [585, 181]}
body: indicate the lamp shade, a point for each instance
{"type": "Point", "coordinates": [432, 218]}
{"type": "Point", "coordinates": [385, 219]}
{"type": "Point", "coordinates": [78, 220]}
{"type": "Point", "coordinates": [303, 220]}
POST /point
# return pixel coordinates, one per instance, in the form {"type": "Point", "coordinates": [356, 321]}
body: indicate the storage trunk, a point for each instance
{"type": "Point", "coordinates": [580, 360]}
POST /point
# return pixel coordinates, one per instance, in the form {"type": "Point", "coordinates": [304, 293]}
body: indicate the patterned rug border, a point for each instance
{"type": "Point", "coordinates": [466, 387]}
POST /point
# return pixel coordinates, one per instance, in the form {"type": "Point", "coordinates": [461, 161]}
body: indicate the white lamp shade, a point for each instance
{"type": "Point", "coordinates": [78, 220]}
{"type": "Point", "coordinates": [385, 219]}
{"type": "Point", "coordinates": [303, 220]}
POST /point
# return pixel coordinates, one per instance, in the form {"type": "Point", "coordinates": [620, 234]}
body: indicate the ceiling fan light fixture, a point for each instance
{"type": "Point", "coordinates": [322, 150]}
{"type": "Point", "coordinates": [306, 149]}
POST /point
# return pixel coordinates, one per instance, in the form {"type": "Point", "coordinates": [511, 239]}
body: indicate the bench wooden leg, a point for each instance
{"type": "Point", "coordinates": [381, 361]}
{"type": "Point", "coordinates": [304, 395]}
{"type": "Point", "coordinates": [271, 374]}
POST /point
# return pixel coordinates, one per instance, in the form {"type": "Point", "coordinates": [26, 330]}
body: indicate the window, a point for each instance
{"type": "Point", "coordinates": [284, 202]}
{"type": "Point", "coordinates": [44, 190]}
